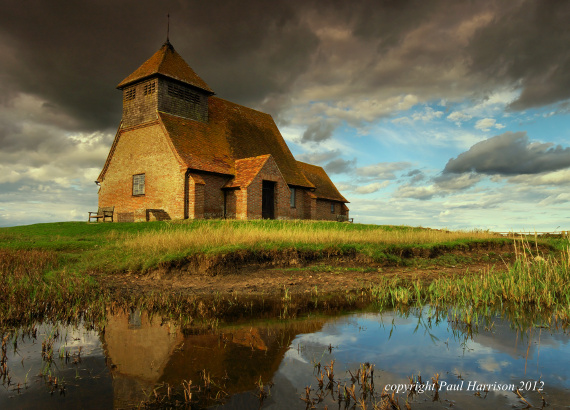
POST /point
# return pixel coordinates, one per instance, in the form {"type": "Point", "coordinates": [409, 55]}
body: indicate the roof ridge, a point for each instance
{"type": "Point", "coordinates": [254, 157]}
{"type": "Point", "coordinates": [307, 163]}
{"type": "Point", "coordinates": [168, 47]}
{"type": "Point", "coordinates": [241, 106]}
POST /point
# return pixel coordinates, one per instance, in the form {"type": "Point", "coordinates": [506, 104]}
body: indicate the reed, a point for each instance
{"type": "Point", "coordinates": [145, 250]}
{"type": "Point", "coordinates": [537, 280]}
{"type": "Point", "coordinates": [178, 238]}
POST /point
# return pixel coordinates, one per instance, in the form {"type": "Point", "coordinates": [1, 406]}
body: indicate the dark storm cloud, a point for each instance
{"type": "Point", "coordinates": [454, 182]}
{"type": "Point", "coordinates": [318, 131]}
{"type": "Point", "coordinates": [339, 165]}
{"type": "Point", "coordinates": [413, 173]}
{"type": "Point", "coordinates": [318, 158]}
{"type": "Point", "coordinates": [526, 42]}
{"type": "Point", "coordinates": [510, 154]}
{"type": "Point", "coordinates": [331, 161]}
{"type": "Point", "coordinates": [441, 186]}
{"type": "Point", "coordinates": [74, 54]}
{"type": "Point", "coordinates": [415, 176]}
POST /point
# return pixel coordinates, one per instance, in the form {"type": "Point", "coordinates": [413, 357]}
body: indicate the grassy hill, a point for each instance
{"type": "Point", "coordinates": [68, 266]}
{"type": "Point", "coordinates": [111, 247]}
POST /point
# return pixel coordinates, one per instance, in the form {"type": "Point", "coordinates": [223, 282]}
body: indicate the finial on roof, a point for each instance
{"type": "Point", "coordinates": [168, 28]}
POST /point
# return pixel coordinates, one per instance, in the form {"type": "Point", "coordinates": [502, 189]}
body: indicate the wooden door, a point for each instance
{"type": "Point", "coordinates": [268, 200]}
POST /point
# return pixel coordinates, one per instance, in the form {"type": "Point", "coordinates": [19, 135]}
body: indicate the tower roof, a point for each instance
{"type": "Point", "coordinates": [166, 62]}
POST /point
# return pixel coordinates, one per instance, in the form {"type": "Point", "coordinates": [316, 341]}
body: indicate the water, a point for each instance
{"type": "Point", "coordinates": [134, 358]}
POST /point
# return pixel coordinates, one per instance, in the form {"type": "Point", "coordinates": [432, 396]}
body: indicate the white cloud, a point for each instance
{"type": "Point", "coordinates": [371, 188]}
{"type": "Point", "coordinates": [556, 199]}
{"type": "Point", "coordinates": [416, 192]}
{"type": "Point", "coordinates": [403, 121]}
{"type": "Point", "coordinates": [344, 187]}
{"type": "Point", "coordinates": [428, 114]}
{"type": "Point", "coordinates": [485, 124]}
{"type": "Point", "coordinates": [458, 117]}
{"type": "Point", "coordinates": [560, 177]}
{"type": "Point", "coordinates": [493, 104]}
{"type": "Point", "coordinates": [452, 182]}
{"type": "Point", "coordinates": [383, 170]}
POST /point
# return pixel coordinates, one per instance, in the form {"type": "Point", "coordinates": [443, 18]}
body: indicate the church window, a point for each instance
{"type": "Point", "coordinates": [138, 184]}
{"type": "Point", "coordinates": [292, 199]}
{"type": "Point", "coordinates": [149, 88]}
{"type": "Point", "coordinates": [332, 208]}
{"type": "Point", "coordinates": [130, 94]}
{"type": "Point", "coordinates": [183, 93]}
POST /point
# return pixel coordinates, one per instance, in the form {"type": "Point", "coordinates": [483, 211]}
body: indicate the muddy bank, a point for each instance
{"type": "Point", "coordinates": [236, 262]}
{"type": "Point", "coordinates": [294, 271]}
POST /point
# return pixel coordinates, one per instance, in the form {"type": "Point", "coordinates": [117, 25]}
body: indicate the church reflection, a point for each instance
{"type": "Point", "coordinates": [144, 351]}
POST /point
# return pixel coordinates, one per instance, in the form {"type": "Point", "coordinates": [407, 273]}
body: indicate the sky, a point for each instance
{"type": "Point", "coordinates": [434, 113]}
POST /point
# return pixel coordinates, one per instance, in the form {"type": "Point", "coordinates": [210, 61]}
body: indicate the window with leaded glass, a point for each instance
{"type": "Point", "coordinates": [293, 197]}
{"type": "Point", "coordinates": [138, 184]}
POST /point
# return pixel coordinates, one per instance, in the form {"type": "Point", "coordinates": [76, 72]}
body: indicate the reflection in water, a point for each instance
{"type": "Point", "coordinates": [156, 352]}
{"type": "Point", "coordinates": [136, 353]}
{"type": "Point", "coordinates": [138, 349]}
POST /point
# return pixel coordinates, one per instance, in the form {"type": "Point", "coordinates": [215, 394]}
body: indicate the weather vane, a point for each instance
{"type": "Point", "coordinates": [168, 27]}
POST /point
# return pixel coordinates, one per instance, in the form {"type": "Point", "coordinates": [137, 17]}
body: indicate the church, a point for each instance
{"type": "Point", "coordinates": [181, 152]}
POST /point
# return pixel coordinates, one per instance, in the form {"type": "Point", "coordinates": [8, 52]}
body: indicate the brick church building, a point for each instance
{"type": "Point", "coordinates": [180, 152]}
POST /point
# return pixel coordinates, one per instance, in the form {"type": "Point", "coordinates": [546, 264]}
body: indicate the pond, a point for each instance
{"type": "Point", "coordinates": [426, 357]}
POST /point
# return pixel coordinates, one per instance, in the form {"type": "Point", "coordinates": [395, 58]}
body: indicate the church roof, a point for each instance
{"type": "Point", "coordinates": [246, 171]}
{"type": "Point", "coordinates": [325, 187]}
{"type": "Point", "coordinates": [233, 132]}
{"type": "Point", "coordinates": [169, 63]}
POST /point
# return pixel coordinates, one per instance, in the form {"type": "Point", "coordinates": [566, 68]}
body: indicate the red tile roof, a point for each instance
{"type": "Point", "coordinates": [246, 170]}
{"type": "Point", "coordinates": [325, 187]}
{"type": "Point", "coordinates": [233, 132]}
{"type": "Point", "coordinates": [169, 63]}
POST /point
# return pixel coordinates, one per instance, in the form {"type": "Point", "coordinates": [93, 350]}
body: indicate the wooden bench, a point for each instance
{"type": "Point", "coordinates": [343, 218]}
{"type": "Point", "coordinates": [102, 213]}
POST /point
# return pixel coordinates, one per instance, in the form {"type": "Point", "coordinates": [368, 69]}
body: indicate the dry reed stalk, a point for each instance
{"type": "Point", "coordinates": [176, 238]}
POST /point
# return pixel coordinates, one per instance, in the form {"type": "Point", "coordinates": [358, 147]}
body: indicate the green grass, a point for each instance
{"type": "Point", "coordinates": [48, 267]}
{"type": "Point", "coordinates": [107, 247]}
{"type": "Point", "coordinates": [532, 282]}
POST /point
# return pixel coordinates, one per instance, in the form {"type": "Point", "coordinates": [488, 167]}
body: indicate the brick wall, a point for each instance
{"type": "Point", "coordinates": [213, 195]}
{"type": "Point", "coordinates": [253, 193]}
{"type": "Point", "coordinates": [195, 196]}
{"type": "Point", "coordinates": [297, 212]}
{"type": "Point", "coordinates": [309, 205]}
{"type": "Point", "coordinates": [241, 204]}
{"type": "Point", "coordinates": [205, 196]}
{"type": "Point", "coordinates": [324, 210]}
{"type": "Point", "coordinates": [143, 150]}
